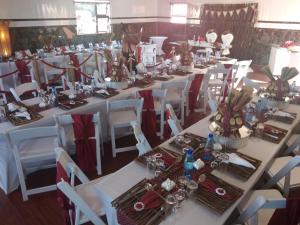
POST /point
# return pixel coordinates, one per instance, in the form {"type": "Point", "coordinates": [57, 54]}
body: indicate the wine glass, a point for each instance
{"type": "Point", "coordinates": [180, 195]}
{"type": "Point", "coordinates": [171, 203]}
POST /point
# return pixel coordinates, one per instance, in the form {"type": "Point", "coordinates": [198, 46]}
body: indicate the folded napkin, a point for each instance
{"type": "Point", "coordinates": [283, 114]}
{"type": "Point", "coordinates": [23, 115]}
{"type": "Point", "coordinates": [103, 91]}
{"type": "Point", "coordinates": [235, 159]}
{"type": "Point", "coordinates": [168, 160]}
{"type": "Point", "coordinates": [211, 186]}
{"type": "Point", "coordinates": [150, 200]}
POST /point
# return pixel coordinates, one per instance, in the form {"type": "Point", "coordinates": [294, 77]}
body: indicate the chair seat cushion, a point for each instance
{"type": "Point", "coordinates": [278, 164]}
{"type": "Point", "coordinates": [122, 118]}
{"type": "Point", "coordinates": [264, 215]}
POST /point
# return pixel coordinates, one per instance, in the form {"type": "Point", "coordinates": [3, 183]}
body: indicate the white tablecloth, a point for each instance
{"type": "Point", "coordinates": [94, 105]}
{"type": "Point", "coordinates": [193, 213]}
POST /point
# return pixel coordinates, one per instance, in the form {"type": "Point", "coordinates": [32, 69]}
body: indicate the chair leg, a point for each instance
{"type": "Point", "coordinates": [113, 141]}
{"type": "Point", "coordinates": [22, 181]}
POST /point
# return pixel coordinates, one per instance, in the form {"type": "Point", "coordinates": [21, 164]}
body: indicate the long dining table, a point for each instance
{"type": "Point", "coordinates": [192, 212]}
{"type": "Point", "coordinates": [8, 172]}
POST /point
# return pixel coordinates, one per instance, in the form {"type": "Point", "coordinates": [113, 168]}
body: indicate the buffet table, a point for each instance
{"type": "Point", "coordinates": [192, 212]}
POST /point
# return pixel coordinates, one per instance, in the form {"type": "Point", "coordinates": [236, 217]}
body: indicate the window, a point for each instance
{"type": "Point", "coordinates": [179, 12]}
{"type": "Point", "coordinates": [92, 16]}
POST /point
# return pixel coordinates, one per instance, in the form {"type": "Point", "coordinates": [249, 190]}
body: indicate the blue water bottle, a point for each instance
{"type": "Point", "coordinates": [188, 164]}
{"type": "Point", "coordinates": [209, 147]}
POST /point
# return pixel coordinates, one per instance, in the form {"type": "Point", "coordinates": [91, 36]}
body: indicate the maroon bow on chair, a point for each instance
{"type": "Point", "coordinates": [74, 59]}
{"type": "Point", "coordinates": [148, 114]}
{"type": "Point", "coordinates": [84, 129]}
{"type": "Point", "coordinates": [63, 200]}
{"type": "Point", "coordinates": [289, 215]}
{"type": "Point", "coordinates": [194, 91]}
{"type": "Point", "coordinates": [24, 73]}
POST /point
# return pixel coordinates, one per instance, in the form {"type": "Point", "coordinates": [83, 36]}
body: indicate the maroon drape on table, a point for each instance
{"type": "Point", "coordinates": [194, 91]}
{"type": "Point", "coordinates": [23, 71]}
{"type": "Point", "coordinates": [148, 114]}
{"type": "Point", "coordinates": [167, 129]}
{"type": "Point", "coordinates": [77, 72]}
{"type": "Point", "coordinates": [84, 128]}
{"type": "Point", "coordinates": [61, 198]}
{"type": "Point", "coordinates": [289, 215]}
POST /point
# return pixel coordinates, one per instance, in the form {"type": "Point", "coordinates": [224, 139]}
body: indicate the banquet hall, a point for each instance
{"type": "Point", "coordinates": [134, 112]}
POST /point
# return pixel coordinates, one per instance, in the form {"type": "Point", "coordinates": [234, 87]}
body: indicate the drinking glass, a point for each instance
{"type": "Point", "coordinates": [180, 195]}
{"type": "Point", "coordinates": [171, 203]}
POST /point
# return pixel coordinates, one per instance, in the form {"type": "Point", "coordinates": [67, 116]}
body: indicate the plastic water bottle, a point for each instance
{"type": "Point", "coordinates": [188, 164]}
{"type": "Point", "coordinates": [209, 147]}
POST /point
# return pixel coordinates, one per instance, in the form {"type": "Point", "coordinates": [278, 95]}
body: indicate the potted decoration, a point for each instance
{"type": "Point", "coordinates": [228, 123]}
{"type": "Point", "coordinates": [278, 88]}
{"type": "Point", "coordinates": [186, 57]}
{"type": "Point", "coordinates": [118, 73]}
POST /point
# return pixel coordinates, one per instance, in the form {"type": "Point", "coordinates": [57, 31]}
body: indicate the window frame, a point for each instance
{"type": "Point", "coordinates": [98, 16]}
{"type": "Point", "coordinates": [172, 16]}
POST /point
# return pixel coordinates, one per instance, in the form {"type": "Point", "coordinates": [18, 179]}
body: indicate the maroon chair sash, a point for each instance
{"type": "Point", "coordinates": [23, 71]}
{"type": "Point", "coordinates": [74, 59]}
{"type": "Point", "coordinates": [228, 80]}
{"type": "Point", "coordinates": [62, 199]}
{"type": "Point", "coordinates": [167, 129]}
{"type": "Point", "coordinates": [194, 91]}
{"type": "Point", "coordinates": [289, 215]}
{"type": "Point", "coordinates": [84, 129]}
{"type": "Point", "coordinates": [148, 114]}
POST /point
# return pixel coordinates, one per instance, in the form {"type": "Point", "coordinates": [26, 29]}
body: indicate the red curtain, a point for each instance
{"type": "Point", "coordinates": [194, 91]}
{"type": "Point", "coordinates": [23, 71]}
{"type": "Point", "coordinates": [84, 128]}
{"type": "Point", "coordinates": [61, 198]}
{"type": "Point", "coordinates": [148, 115]}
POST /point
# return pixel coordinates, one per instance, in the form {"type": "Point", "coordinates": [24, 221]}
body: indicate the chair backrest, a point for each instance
{"type": "Point", "coordinates": [259, 203]}
{"type": "Point", "coordinates": [173, 121]}
{"type": "Point", "coordinates": [20, 135]}
{"type": "Point", "coordinates": [64, 120]}
{"type": "Point", "coordinates": [242, 70]}
{"type": "Point", "coordinates": [22, 88]}
{"type": "Point", "coordinates": [179, 85]}
{"type": "Point", "coordinates": [212, 102]}
{"type": "Point", "coordinates": [285, 171]}
{"type": "Point", "coordinates": [136, 104]}
{"type": "Point", "coordinates": [70, 166]}
{"type": "Point", "coordinates": [79, 203]}
{"type": "Point", "coordinates": [143, 145]}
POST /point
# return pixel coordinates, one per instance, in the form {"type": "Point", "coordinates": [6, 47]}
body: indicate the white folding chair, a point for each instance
{"type": "Point", "coordinates": [66, 135]}
{"type": "Point", "coordinates": [242, 71]}
{"type": "Point", "coordinates": [176, 95]}
{"type": "Point", "coordinates": [84, 197]}
{"type": "Point", "coordinates": [285, 172]}
{"type": "Point", "coordinates": [33, 150]}
{"type": "Point", "coordinates": [121, 113]}
{"type": "Point", "coordinates": [159, 97]}
{"type": "Point", "coordinates": [212, 102]}
{"type": "Point", "coordinates": [23, 88]}
{"type": "Point", "coordinates": [187, 91]}
{"type": "Point", "coordinates": [89, 66]}
{"type": "Point", "coordinates": [142, 144]}
{"type": "Point", "coordinates": [173, 121]}
{"type": "Point", "coordinates": [50, 72]}
{"type": "Point", "coordinates": [251, 83]}
{"type": "Point", "coordinates": [293, 144]}
{"type": "Point", "coordinates": [217, 75]}
{"type": "Point", "coordinates": [258, 206]}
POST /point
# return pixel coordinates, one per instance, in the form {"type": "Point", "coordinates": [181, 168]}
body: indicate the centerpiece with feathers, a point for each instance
{"type": "Point", "coordinates": [278, 88]}
{"type": "Point", "coordinates": [228, 122]}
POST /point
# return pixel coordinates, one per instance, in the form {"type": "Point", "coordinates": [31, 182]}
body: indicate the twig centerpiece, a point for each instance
{"type": "Point", "coordinates": [186, 58]}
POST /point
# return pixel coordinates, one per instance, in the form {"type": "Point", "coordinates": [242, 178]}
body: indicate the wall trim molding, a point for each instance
{"type": "Point", "coordinates": [38, 19]}
{"type": "Point", "coordinates": [283, 22]}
